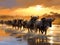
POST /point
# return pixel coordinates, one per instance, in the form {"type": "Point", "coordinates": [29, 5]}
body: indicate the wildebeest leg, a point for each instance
{"type": "Point", "coordinates": [45, 32]}
{"type": "Point", "coordinates": [23, 28]}
{"type": "Point", "coordinates": [41, 31]}
{"type": "Point", "coordinates": [28, 30]}
{"type": "Point", "coordinates": [31, 30]}
{"type": "Point", "coordinates": [36, 30]}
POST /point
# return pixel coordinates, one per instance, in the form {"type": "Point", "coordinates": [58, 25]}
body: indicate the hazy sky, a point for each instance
{"type": "Point", "coordinates": [7, 6]}
{"type": "Point", "coordinates": [27, 3]}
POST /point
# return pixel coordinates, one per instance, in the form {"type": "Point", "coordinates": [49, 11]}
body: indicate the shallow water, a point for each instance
{"type": "Point", "coordinates": [52, 37]}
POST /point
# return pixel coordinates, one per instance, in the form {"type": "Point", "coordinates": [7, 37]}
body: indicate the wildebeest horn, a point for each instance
{"type": "Point", "coordinates": [31, 16]}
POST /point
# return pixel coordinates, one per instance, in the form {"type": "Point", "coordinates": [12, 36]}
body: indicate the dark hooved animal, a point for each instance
{"type": "Point", "coordinates": [31, 23]}
{"type": "Point", "coordinates": [43, 24]}
{"type": "Point", "coordinates": [19, 23]}
{"type": "Point", "coordinates": [14, 23]}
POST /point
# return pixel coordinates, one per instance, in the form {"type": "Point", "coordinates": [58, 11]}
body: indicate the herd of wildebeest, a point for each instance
{"type": "Point", "coordinates": [33, 24]}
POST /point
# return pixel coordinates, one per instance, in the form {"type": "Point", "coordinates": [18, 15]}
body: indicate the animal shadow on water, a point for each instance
{"type": "Point", "coordinates": [40, 40]}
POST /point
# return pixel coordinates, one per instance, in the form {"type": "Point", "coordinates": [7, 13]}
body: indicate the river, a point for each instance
{"type": "Point", "coordinates": [53, 37]}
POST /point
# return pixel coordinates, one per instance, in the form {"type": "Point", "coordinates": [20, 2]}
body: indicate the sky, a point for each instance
{"type": "Point", "coordinates": [27, 7]}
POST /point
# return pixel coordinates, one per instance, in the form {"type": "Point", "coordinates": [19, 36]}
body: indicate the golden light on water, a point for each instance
{"type": "Point", "coordinates": [52, 28]}
{"type": "Point", "coordinates": [51, 40]}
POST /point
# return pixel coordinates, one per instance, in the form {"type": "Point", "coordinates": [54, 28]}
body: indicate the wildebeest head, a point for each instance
{"type": "Point", "coordinates": [49, 21]}
{"type": "Point", "coordinates": [43, 19]}
{"type": "Point", "coordinates": [34, 18]}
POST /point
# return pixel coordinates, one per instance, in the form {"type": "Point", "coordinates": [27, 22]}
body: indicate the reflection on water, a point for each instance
{"type": "Point", "coordinates": [37, 42]}
{"type": "Point", "coordinates": [51, 40]}
{"type": "Point", "coordinates": [52, 37]}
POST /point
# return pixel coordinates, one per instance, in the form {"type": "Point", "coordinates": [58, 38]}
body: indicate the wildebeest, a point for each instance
{"type": "Point", "coordinates": [9, 22]}
{"type": "Point", "coordinates": [31, 23]}
{"type": "Point", "coordinates": [14, 23]}
{"type": "Point", "coordinates": [19, 23]}
{"type": "Point", "coordinates": [25, 24]}
{"type": "Point", "coordinates": [43, 24]}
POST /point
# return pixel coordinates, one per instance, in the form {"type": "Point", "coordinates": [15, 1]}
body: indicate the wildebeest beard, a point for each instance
{"type": "Point", "coordinates": [50, 24]}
